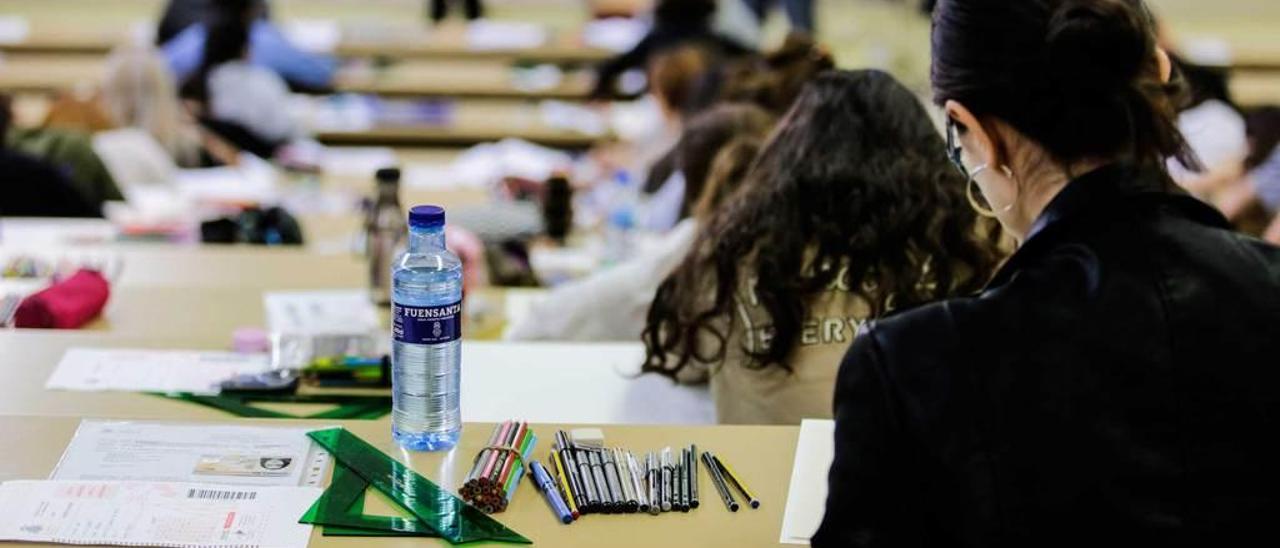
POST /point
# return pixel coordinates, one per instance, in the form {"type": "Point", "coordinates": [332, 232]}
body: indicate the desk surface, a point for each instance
{"type": "Point", "coordinates": [762, 455]}
{"type": "Point", "coordinates": [26, 73]}
{"type": "Point", "coordinates": [590, 383]}
{"type": "Point", "coordinates": [395, 41]}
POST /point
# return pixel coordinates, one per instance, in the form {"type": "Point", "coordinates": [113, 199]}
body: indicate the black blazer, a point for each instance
{"type": "Point", "coordinates": [1117, 383]}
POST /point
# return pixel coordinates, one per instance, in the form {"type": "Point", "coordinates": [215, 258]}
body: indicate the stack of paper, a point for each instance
{"type": "Point", "coordinates": [807, 497]}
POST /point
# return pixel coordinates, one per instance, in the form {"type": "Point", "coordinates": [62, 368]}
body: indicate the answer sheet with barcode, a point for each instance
{"type": "Point", "coordinates": [154, 513]}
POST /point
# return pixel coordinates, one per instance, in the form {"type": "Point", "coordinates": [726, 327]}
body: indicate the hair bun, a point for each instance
{"type": "Point", "coordinates": [1097, 43]}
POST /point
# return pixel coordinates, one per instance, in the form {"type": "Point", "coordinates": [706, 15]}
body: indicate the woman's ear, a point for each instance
{"type": "Point", "coordinates": [1164, 64]}
{"type": "Point", "coordinates": [974, 136]}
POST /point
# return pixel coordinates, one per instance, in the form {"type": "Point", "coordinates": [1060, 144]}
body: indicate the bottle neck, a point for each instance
{"type": "Point", "coordinates": [389, 193]}
{"type": "Point", "coordinates": [424, 238]}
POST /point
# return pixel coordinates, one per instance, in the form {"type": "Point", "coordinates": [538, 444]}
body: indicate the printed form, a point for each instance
{"type": "Point", "coordinates": [154, 513]}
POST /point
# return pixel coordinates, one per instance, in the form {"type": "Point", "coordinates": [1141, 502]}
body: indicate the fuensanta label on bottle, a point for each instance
{"type": "Point", "coordinates": [426, 324]}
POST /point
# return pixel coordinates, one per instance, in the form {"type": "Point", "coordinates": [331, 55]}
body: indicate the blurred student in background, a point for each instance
{"type": "Point", "coordinates": [850, 211]}
{"type": "Point", "coordinates": [152, 133]}
{"type": "Point", "coordinates": [246, 104]}
{"type": "Point", "coordinates": [676, 23]}
{"type": "Point", "coordinates": [184, 32]}
{"type": "Point", "coordinates": [31, 187]}
{"type": "Point", "coordinates": [1113, 377]}
{"type": "Point", "coordinates": [772, 81]}
{"type": "Point", "coordinates": [472, 9]}
{"type": "Point", "coordinates": [610, 305]}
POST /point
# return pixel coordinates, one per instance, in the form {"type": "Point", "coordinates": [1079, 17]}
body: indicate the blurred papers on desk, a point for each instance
{"type": "Point", "coordinates": [130, 370]}
{"type": "Point", "coordinates": [281, 456]}
{"type": "Point", "coordinates": [807, 496]}
{"type": "Point", "coordinates": [483, 35]}
{"type": "Point", "coordinates": [14, 29]}
{"type": "Point", "coordinates": [154, 513]}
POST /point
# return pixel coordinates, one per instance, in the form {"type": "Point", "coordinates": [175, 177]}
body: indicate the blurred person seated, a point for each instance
{"type": "Point", "coordinates": [851, 211]}
{"type": "Point", "coordinates": [268, 46]}
{"type": "Point", "coordinates": [246, 104]}
{"type": "Point", "coordinates": [32, 187]}
{"type": "Point", "coordinates": [676, 23]}
{"type": "Point", "coordinates": [472, 9]}
{"type": "Point", "coordinates": [610, 305]}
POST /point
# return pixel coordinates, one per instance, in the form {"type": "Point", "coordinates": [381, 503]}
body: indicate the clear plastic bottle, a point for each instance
{"type": "Point", "coordinates": [426, 345]}
{"type": "Point", "coordinates": [384, 234]}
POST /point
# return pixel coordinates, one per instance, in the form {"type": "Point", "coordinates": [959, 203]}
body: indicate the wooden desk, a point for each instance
{"type": "Point", "coordinates": [552, 382]}
{"type": "Point", "coordinates": [445, 78]}
{"type": "Point", "coordinates": [470, 122]}
{"type": "Point", "coordinates": [456, 78]}
{"type": "Point", "coordinates": [389, 41]}
{"type": "Point", "coordinates": [1256, 89]}
{"type": "Point", "coordinates": [763, 455]}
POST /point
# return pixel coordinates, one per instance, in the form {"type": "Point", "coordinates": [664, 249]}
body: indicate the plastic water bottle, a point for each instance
{"type": "Point", "coordinates": [426, 351]}
{"type": "Point", "coordinates": [621, 220]}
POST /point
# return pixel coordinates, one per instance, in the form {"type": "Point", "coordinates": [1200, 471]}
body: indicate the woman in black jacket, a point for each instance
{"type": "Point", "coordinates": [1115, 383]}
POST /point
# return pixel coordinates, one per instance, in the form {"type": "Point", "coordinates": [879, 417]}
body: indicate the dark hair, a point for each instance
{"type": "Point", "coordinates": [684, 12]}
{"type": "Point", "coordinates": [1263, 126]}
{"type": "Point", "coordinates": [775, 79]}
{"type": "Point", "coordinates": [706, 134]}
{"type": "Point", "coordinates": [675, 75]}
{"type": "Point", "coordinates": [853, 187]}
{"type": "Point", "coordinates": [226, 39]}
{"type": "Point", "coordinates": [728, 169]}
{"type": "Point", "coordinates": [1079, 77]}
{"type": "Point", "coordinates": [6, 117]}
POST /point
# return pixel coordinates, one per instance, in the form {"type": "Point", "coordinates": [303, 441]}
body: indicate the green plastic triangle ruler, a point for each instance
{"type": "Point", "coordinates": [241, 404]}
{"type": "Point", "coordinates": [438, 512]}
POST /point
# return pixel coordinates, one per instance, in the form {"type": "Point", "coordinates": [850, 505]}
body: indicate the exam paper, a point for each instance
{"type": "Point", "coordinates": [132, 370]}
{"type": "Point", "coordinates": [154, 514]}
{"type": "Point", "coordinates": [320, 312]}
{"type": "Point", "coordinates": [185, 452]}
{"type": "Point", "coordinates": [807, 496]}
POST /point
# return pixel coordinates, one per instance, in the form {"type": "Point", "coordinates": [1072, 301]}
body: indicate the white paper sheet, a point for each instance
{"type": "Point", "coordinates": [188, 452]}
{"type": "Point", "coordinates": [343, 311]}
{"type": "Point", "coordinates": [14, 29]}
{"type": "Point", "coordinates": [132, 370]}
{"type": "Point", "coordinates": [314, 35]}
{"type": "Point", "coordinates": [154, 514]}
{"type": "Point", "coordinates": [807, 496]}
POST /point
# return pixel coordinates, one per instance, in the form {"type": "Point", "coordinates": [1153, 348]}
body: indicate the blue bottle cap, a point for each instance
{"type": "Point", "coordinates": [426, 216]}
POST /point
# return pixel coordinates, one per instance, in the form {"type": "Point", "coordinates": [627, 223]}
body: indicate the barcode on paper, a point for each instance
{"type": "Point", "coordinates": [218, 494]}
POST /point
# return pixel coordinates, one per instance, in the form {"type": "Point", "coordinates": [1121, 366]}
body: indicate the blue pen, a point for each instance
{"type": "Point", "coordinates": [543, 479]}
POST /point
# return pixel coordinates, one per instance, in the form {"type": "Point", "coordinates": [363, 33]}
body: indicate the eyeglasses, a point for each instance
{"type": "Point", "coordinates": [954, 152]}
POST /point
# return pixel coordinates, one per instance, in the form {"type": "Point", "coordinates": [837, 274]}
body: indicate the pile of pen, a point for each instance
{"type": "Point", "coordinates": [499, 467]}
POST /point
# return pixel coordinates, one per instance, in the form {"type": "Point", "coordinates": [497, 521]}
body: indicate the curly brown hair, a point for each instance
{"type": "Point", "coordinates": [853, 183]}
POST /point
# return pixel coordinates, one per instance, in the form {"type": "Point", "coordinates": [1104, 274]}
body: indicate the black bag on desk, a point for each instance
{"type": "Point", "coordinates": [273, 226]}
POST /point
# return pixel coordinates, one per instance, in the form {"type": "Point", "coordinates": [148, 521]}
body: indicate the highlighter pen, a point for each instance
{"type": "Point", "coordinates": [562, 483]}
{"type": "Point", "coordinates": [736, 480]}
{"type": "Point", "coordinates": [693, 476]}
{"type": "Point", "coordinates": [718, 480]}
{"type": "Point", "coordinates": [637, 483]}
{"type": "Point", "coordinates": [602, 484]}
{"type": "Point", "coordinates": [543, 480]}
{"type": "Point", "coordinates": [651, 476]}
